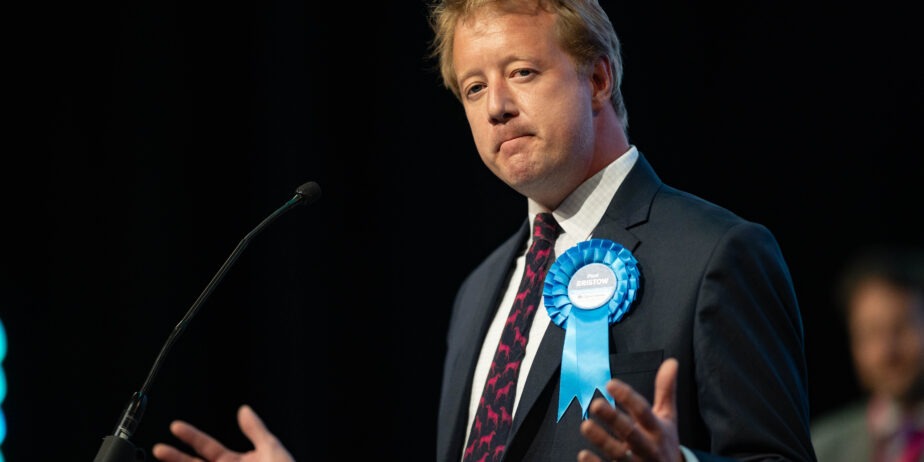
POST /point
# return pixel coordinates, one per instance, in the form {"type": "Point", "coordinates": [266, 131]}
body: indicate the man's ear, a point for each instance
{"type": "Point", "coordinates": [601, 80]}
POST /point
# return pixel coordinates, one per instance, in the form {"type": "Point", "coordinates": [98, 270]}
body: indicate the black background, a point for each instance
{"type": "Point", "coordinates": [147, 138]}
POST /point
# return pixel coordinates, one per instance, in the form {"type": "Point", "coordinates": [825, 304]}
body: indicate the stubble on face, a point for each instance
{"type": "Point", "coordinates": [531, 119]}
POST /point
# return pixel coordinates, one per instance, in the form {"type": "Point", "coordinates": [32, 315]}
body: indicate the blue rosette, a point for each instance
{"type": "Point", "coordinates": [589, 287]}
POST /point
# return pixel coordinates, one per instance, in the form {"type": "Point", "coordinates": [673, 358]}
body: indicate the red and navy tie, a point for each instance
{"type": "Point", "coordinates": [488, 437]}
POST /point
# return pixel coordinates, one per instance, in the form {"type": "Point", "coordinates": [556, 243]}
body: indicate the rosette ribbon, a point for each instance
{"type": "Point", "coordinates": [589, 287]}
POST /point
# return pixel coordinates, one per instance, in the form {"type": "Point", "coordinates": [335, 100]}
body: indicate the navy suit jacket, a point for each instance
{"type": "Point", "coordinates": [715, 293]}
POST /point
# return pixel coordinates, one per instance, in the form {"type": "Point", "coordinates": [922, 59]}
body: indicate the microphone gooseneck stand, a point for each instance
{"type": "Point", "coordinates": [117, 447]}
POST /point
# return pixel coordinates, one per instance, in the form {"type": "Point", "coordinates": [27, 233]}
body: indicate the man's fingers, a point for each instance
{"type": "Point", "coordinates": [665, 397]}
{"type": "Point", "coordinates": [635, 405]}
{"type": "Point", "coordinates": [588, 456]}
{"type": "Point", "coordinates": [634, 424]}
{"type": "Point", "coordinates": [253, 427]}
{"type": "Point", "coordinates": [201, 442]}
{"type": "Point", "coordinates": [167, 453]}
{"type": "Point", "coordinates": [601, 409]}
{"type": "Point", "coordinates": [598, 435]}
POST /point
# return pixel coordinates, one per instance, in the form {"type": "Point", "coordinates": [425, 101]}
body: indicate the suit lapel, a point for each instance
{"type": "Point", "coordinates": [474, 319]}
{"type": "Point", "coordinates": [629, 207]}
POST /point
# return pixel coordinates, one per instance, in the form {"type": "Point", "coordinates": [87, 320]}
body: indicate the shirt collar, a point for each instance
{"type": "Point", "coordinates": [582, 210]}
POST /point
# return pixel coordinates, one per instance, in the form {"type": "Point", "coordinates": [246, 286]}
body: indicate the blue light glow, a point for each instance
{"type": "Point", "coordinates": [2, 386]}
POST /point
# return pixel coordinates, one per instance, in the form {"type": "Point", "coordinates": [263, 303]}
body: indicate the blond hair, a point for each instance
{"type": "Point", "coordinates": [584, 31]}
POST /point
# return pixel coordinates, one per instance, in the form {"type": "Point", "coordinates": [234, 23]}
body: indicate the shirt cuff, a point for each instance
{"type": "Point", "coordinates": [688, 455]}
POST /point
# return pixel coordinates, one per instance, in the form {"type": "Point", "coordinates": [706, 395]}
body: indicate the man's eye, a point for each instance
{"type": "Point", "coordinates": [522, 72]}
{"type": "Point", "coordinates": [474, 89]}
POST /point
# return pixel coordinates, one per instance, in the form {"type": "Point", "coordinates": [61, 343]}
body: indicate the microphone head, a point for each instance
{"type": "Point", "coordinates": [309, 192]}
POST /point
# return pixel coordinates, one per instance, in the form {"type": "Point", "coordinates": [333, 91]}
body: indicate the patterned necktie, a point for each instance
{"type": "Point", "coordinates": [914, 447]}
{"type": "Point", "coordinates": [488, 437]}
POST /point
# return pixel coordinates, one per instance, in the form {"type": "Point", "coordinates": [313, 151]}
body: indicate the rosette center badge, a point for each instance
{"type": "Point", "coordinates": [592, 286]}
{"type": "Point", "coordinates": [599, 278]}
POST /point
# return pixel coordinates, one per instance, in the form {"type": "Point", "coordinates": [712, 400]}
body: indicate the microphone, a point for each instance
{"type": "Point", "coordinates": [117, 447]}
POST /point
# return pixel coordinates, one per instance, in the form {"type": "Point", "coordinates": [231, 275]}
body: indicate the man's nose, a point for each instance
{"type": "Point", "coordinates": [501, 104]}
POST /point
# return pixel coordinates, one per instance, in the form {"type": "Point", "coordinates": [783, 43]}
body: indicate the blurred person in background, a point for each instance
{"type": "Point", "coordinates": [881, 294]}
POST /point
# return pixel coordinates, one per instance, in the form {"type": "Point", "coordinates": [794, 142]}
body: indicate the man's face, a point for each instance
{"type": "Point", "coordinates": [887, 338]}
{"type": "Point", "coordinates": [529, 109]}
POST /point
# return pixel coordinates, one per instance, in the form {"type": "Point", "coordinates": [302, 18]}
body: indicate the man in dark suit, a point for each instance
{"type": "Point", "coordinates": [700, 342]}
{"type": "Point", "coordinates": [702, 333]}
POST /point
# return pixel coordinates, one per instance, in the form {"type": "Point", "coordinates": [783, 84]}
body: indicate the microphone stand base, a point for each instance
{"type": "Point", "coordinates": [115, 449]}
